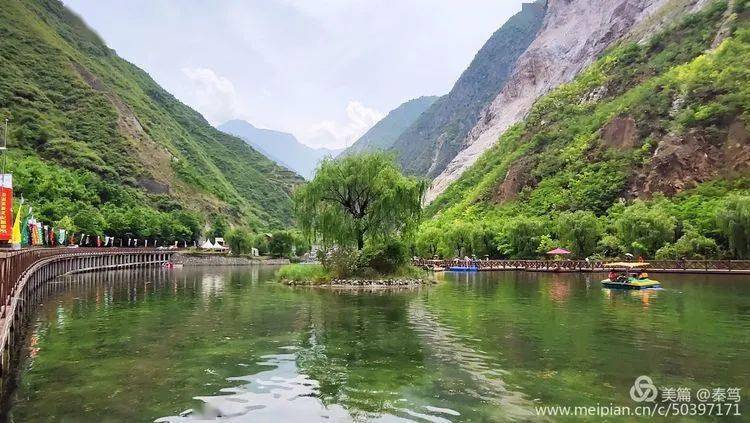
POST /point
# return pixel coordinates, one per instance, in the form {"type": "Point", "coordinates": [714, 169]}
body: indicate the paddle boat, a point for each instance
{"type": "Point", "coordinates": [463, 269]}
{"type": "Point", "coordinates": [629, 276]}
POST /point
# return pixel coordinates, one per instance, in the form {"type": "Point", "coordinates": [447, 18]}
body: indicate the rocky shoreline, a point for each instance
{"type": "Point", "coordinates": [187, 259]}
{"type": "Point", "coordinates": [365, 283]}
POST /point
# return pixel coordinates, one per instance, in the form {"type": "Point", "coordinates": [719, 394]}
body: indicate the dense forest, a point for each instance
{"type": "Point", "coordinates": [645, 152]}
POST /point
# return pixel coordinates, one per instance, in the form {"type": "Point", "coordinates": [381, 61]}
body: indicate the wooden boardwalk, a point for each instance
{"type": "Point", "coordinates": [741, 267]}
{"type": "Point", "coordinates": [24, 277]}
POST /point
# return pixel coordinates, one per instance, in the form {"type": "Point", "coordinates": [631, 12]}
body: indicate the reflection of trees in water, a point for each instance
{"type": "Point", "coordinates": [361, 350]}
{"type": "Point", "coordinates": [453, 353]}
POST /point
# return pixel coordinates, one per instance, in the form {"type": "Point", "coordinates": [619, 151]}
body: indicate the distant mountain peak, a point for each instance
{"type": "Point", "coordinates": [387, 130]}
{"type": "Point", "coordinates": [281, 147]}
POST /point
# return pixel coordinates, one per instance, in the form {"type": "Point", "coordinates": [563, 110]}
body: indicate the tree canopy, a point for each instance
{"type": "Point", "coordinates": [358, 197]}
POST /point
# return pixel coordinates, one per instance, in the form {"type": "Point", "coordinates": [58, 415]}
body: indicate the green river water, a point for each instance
{"type": "Point", "coordinates": [139, 346]}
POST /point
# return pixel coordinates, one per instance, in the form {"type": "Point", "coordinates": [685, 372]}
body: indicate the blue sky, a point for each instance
{"type": "Point", "coordinates": [324, 70]}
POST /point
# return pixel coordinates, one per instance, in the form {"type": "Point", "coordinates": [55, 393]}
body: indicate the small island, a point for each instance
{"type": "Point", "coordinates": [360, 211]}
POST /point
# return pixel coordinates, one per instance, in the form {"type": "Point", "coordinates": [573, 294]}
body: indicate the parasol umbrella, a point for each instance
{"type": "Point", "coordinates": [558, 252]}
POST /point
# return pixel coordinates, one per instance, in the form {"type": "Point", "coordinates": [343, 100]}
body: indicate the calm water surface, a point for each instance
{"type": "Point", "coordinates": [152, 345]}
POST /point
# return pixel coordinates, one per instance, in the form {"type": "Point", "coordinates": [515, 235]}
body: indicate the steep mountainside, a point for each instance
{"type": "Point", "coordinates": [574, 34]}
{"type": "Point", "coordinates": [656, 130]}
{"type": "Point", "coordinates": [94, 138]}
{"type": "Point", "coordinates": [384, 133]}
{"type": "Point", "coordinates": [427, 146]}
{"type": "Point", "coordinates": [281, 147]}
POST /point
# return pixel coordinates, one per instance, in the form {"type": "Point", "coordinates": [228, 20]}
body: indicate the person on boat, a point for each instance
{"type": "Point", "coordinates": [643, 275]}
{"type": "Point", "coordinates": [612, 275]}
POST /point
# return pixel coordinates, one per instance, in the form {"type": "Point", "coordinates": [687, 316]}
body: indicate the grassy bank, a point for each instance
{"type": "Point", "coordinates": [304, 273]}
{"type": "Point", "coordinates": [316, 274]}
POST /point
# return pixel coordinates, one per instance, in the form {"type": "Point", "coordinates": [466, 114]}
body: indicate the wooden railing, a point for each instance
{"type": "Point", "coordinates": [14, 263]}
{"type": "Point", "coordinates": [24, 277]}
{"type": "Point", "coordinates": [686, 266]}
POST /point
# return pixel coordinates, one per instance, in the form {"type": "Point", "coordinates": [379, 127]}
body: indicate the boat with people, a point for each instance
{"type": "Point", "coordinates": [625, 275]}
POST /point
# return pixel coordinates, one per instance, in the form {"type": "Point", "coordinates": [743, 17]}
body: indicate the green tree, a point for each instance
{"type": "Point", "coordinates": [358, 197]}
{"type": "Point", "coordinates": [240, 241]}
{"type": "Point", "coordinates": [523, 236]}
{"type": "Point", "coordinates": [301, 245]}
{"type": "Point", "coordinates": [580, 231]}
{"type": "Point", "coordinates": [645, 228]}
{"type": "Point", "coordinates": [281, 244]}
{"type": "Point", "coordinates": [260, 242]}
{"type": "Point", "coordinates": [734, 223]}
{"type": "Point", "coordinates": [691, 245]}
{"type": "Point", "coordinates": [547, 243]}
{"type": "Point", "coordinates": [483, 240]}
{"type": "Point", "coordinates": [428, 241]}
{"type": "Point", "coordinates": [219, 227]}
{"type": "Point", "coordinates": [66, 223]}
{"type": "Point", "coordinates": [89, 221]}
{"type": "Point", "coordinates": [458, 237]}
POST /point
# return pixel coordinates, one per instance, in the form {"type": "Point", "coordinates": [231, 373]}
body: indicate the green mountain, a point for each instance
{"type": "Point", "coordinates": [429, 144]}
{"type": "Point", "coordinates": [649, 145]}
{"type": "Point", "coordinates": [94, 138]}
{"type": "Point", "coordinates": [281, 147]}
{"type": "Point", "coordinates": [384, 133]}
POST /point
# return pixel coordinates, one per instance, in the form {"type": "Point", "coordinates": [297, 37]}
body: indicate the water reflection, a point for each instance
{"type": "Point", "coordinates": [452, 349]}
{"type": "Point", "coordinates": [281, 393]}
{"type": "Point", "coordinates": [285, 393]}
{"type": "Point", "coordinates": [138, 345]}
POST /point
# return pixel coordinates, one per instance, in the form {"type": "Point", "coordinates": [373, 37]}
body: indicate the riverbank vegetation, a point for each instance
{"type": "Point", "coordinates": [94, 140]}
{"type": "Point", "coordinates": [645, 152]}
{"type": "Point", "coordinates": [362, 212]}
{"type": "Point", "coordinates": [288, 244]}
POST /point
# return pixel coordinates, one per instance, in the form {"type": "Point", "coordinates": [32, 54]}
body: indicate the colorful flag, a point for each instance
{"type": "Point", "coordinates": [25, 231]}
{"type": "Point", "coordinates": [6, 207]}
{"type": "Point", "coordinates": [15, 238]}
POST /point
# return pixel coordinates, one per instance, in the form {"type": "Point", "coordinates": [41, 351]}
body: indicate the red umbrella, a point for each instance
{"type": "Point", "coordinates": [558, 251]}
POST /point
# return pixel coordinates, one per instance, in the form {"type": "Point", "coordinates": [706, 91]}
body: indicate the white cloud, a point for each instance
{"type": "Point", "coordinates": [214, 96]}
{"type": "Point", "coordinates": [333, 134]}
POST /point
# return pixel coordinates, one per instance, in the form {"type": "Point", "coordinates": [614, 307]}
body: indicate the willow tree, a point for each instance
{"type": "Point", "coordinates": [734, 223]}
{"type": "Point", "coordinates": [358, 197]}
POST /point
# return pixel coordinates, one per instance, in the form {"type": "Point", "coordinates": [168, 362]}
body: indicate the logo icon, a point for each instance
{"type": "Point", "coordinates": [643, 389]}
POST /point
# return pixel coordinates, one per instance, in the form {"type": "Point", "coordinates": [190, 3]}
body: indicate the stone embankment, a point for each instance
{"type": "Point", "coordinates": [187, 259]}
{"type": "Point", "coordinates": [367, 283]}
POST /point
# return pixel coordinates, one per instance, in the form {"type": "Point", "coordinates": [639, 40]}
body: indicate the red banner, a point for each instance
{"type": "Point", "coordinates": [6, 207]}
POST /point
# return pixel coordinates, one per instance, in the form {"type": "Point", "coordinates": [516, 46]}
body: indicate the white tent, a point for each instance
{"type": "Point", "coordinates": [207, 245]}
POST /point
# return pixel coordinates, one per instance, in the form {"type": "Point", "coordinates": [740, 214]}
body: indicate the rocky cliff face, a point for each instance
{"type": "Point", "coordinates": [573, 35]}
{"type": "Point", "coordinates": [426, 147]}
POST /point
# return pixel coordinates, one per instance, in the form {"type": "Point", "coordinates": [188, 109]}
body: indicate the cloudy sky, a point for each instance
{"type": "Point", "coordinates": [324, 70]}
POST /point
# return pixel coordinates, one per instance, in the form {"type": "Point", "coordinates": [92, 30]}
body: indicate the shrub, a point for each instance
{"type": "Point", "coordinates": [341, 262]}
{"type": "Point", "coordinates": [385, 257]}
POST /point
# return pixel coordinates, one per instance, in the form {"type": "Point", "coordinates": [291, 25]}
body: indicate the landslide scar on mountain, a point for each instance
{"type": "Point", "coordinates": [154, 156]}
{"type": "Point", "coordinates": [681, 162]}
